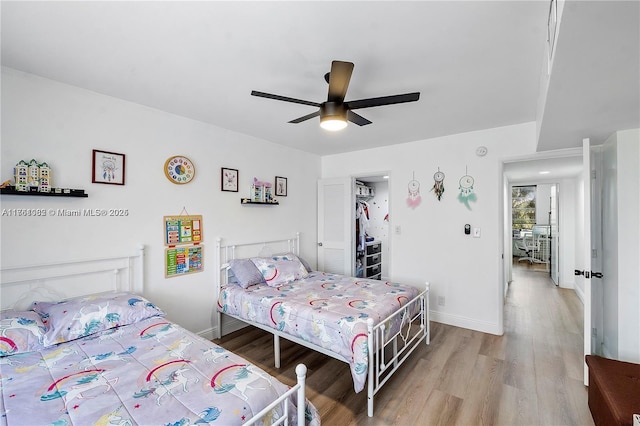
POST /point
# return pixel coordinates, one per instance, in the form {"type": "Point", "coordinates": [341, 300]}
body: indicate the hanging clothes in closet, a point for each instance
{"type": "Point", "coordinates": [362, 221]}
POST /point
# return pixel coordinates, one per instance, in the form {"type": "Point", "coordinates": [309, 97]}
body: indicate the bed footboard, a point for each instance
{"type": "Point", "coordinates": [298, 390]}
{"type": "Point", "coordinates": [388, 351]}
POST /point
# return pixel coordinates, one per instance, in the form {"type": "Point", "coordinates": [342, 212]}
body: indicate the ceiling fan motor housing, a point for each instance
{"type": "Point", "coordinates": [333, 110]}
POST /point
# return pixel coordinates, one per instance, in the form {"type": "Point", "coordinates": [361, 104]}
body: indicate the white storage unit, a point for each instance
{"type": "Point", "coordinates": [372, 260]}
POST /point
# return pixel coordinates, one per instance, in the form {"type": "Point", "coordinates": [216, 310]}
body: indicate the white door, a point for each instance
{"type": "Point", "coordinates": [592, 260]}
{"type": "Point", "coordinates": [584, 265]}
{"type": "Point", "coordinates": [336, 222]}
{"type": "Point", "coordinates": [555, 235]}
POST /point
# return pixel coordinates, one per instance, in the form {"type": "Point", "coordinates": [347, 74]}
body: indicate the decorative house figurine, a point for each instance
{"type": "Point", "coordinates": [20, 173]}
{"type": "Point", "coordinates": [268, 195]}
{"type": "Point", "coordinates": [32, 176]}
{"type": "Point", "coordinates": [257, 191]}
{"type": "Point", "coordinates": [45, 177]}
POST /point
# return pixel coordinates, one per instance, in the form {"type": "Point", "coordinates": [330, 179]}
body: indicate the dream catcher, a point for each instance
{"type": "Point", "coordinates": [466, 190]}
{"type": "Point", "coordinates": [438, 184]}
{"type": "Point", "coordinates": [413, 200]}
{"type": "Point", "coordinates": [108, 170]}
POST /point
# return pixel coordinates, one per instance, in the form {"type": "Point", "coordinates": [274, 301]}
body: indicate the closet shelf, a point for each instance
{"type": "Point", "coordinates": [248, 201]}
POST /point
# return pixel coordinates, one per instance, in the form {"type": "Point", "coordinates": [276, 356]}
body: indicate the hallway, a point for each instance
{"type": "Point", "coordinates": [543, 325]}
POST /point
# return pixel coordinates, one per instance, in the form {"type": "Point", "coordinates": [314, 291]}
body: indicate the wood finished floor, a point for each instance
{"type": "Point", "coordinates": [532, 375]}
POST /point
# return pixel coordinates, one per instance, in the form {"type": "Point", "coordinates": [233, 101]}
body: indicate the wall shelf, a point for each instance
{"type": "Point", "coordinates": [248, 201]}
{"type": "Point", "coordinates": [10, 190]}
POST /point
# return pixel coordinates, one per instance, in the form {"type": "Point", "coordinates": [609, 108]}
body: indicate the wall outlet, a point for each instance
{"type": "Point", "coordinates": [440, 300]}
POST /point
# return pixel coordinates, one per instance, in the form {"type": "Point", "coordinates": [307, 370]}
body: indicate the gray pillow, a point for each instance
{"type": "Point", "coordinates": [306, 264]}
{"type": "Point", "coordinates": [245, 272]}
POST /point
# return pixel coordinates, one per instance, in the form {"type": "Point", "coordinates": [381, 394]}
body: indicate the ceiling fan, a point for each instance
{"type": "Point", "coordinates": [335, 112]}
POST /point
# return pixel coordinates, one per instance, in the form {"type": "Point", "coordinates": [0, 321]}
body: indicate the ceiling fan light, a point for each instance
{"type": "Point", "coordinates": [333, 124]}
{"type": "Point", "coordinates": [333, 116]}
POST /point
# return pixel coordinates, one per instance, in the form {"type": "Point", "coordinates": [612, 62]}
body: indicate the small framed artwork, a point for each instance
{"type": "Point", "coordinates": [229, 180]}
{"type": "Point", "coordinates": [281, 186]}
{"type": "Point", "coordinates": [108, 167]}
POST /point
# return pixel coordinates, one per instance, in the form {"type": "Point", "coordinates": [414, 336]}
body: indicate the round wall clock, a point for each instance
{"type": "Point", "coordinates": [179, 169]}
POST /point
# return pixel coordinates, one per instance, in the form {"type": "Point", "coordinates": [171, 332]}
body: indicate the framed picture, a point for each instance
{"type": "Point", "coordinates": [229, 179]}
{"type": "Point", "coordinates": [108, 167]}
{"type": "Point", "coordinates": [281, 186]}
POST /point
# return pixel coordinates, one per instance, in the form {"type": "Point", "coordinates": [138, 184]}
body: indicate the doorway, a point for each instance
{"type": "Point", "coordinates": [533, 214]}
{"type": "Point", "coordinates": [371, 238]}
{"type": "Point", "coordinates": [342, 240]}
{"type": "Point", "coordinates": [559, 173]}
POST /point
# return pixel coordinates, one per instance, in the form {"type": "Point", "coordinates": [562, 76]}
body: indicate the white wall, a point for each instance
{"type": "Point", "coordinates": [621, 246]}
{"type": "Point", "coordinates": [61, 124]}
{"type": "Point", "coordinates": [610, 244]}
{"type": "Point", "coordinates": [629, 245]}
{"type": "Point", "coordinates": [432, 245]}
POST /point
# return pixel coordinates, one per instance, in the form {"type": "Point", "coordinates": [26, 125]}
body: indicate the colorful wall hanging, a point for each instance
{"type": "Point", "coordinates": [183, 229]}
{"type": "Point", "coordinates": [413, 200]}
{"type": "Point", "coordinates": [183, 260]}
{"type": "Point", "coordinates": [466, 190]}
{"type": "Point", "coordinates": [183, 237]}
{"type": "Point", "coordinates": [438, 184]}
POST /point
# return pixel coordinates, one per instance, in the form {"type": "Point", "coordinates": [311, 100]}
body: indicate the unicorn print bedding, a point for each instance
{"type": "Point", "coordinates": [116, 360]}
{"type": "Point", "coordinates": [328, 310]}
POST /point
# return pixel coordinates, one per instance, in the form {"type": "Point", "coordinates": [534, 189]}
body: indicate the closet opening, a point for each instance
{"type": "Point", "coordinates": [372, 227]}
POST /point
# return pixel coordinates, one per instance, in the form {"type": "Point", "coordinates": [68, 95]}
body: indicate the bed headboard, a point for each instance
{"type": "Point", "coordinates": [21, 285]}
{"type": "Point", "coordinates": [226, 252]}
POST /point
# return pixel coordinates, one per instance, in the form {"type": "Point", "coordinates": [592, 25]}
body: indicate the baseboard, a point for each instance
{"type": "Point", "coordinates": [230, 324]}
{"type": "Point", "coordinates": [468, 323]}
{"type": "Point", "coordinates": [209, 333]}
{"type": "Point", "coordinates": [571, 284]}
{"type": "Point", "coordinates": [579, 293]}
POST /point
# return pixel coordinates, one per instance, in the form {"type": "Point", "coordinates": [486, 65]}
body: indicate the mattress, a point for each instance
{"type": "Point", "coordinates": [328, 310]}
{"type": "Point", "coordinates": [151, 372]}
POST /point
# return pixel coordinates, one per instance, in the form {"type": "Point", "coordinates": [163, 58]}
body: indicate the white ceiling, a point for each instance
{"type": "Point", "coordinates": [477, 64]}
{"type": "Point", "coordinates": [534, 171]}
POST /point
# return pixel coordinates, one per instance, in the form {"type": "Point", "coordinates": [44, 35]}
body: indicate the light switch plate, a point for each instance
{"type": "Point", "coordinates": [476, 232]}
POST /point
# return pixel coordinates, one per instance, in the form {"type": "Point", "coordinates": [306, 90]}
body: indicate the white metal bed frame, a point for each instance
{"type": "Point", "coordinates": [392, 351]}
{"type": "Point", "coordinates": [21, 285]}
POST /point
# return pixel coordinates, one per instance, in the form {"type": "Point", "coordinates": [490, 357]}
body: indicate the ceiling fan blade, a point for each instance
{"type": "Point", "coordinates": [383, 100]}
{"type": "Point", "coordinates": [357, 119]}
{"type": "Point", "coordinates": [339, 78]}
{"type": "Point", "coordinates": [306, 117]}
{"type": "Point", "coordinates": [284, 98]}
